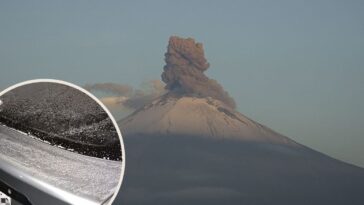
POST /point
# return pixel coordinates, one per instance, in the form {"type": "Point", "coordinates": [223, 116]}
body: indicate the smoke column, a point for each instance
{"type": "Point", "coordinates": [184, 71]}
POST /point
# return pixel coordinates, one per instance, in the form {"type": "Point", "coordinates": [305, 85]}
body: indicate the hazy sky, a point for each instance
{"type": "Point", "coordinates": [295, 66]}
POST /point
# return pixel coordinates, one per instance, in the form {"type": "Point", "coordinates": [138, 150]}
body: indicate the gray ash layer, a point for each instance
{"type": "Point", "coordinates": [85, 176]}
{"type": "Point", "coordinates": [63, 116]}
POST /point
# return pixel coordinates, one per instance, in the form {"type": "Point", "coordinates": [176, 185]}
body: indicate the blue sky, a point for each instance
{"type": "Point", "coordinates": [295, 66]}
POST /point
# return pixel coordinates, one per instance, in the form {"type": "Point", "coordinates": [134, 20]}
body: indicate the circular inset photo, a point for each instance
{"type": "Point", "coordinates": [58, 145]}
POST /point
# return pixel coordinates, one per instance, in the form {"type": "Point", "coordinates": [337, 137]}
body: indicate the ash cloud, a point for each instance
{"type": "Point", "coordinates": [184, 71]}
{"type": "Point", "coordinates": [118, 89]}
{"type": "Point", "coordinates": [149, 91]}
{"type": "Point", "coordinates": [183, 75]}
{"type": "Point", "coordinates": [126, 96]}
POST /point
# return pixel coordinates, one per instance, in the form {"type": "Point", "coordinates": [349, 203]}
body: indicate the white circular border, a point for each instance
{"type": "Point", "coordinates": [98, 102]}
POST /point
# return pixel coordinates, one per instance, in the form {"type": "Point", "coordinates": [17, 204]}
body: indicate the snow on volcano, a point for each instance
{"type": "Point", "coordinates": [194, 116]}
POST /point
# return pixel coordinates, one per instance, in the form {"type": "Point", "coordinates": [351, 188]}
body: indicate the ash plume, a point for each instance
{"type": "Point", "coordinates": [126, 96]}
{"type": "Point", "coordinates": [184, 71]}
{"type": "Point", "coordinates": [118, 89]}
{"type": "Point", "coordinates": [149, 91]}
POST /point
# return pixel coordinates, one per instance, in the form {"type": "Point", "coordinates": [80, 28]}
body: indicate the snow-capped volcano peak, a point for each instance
{"type": "Point", "coordinates": [194, 116]}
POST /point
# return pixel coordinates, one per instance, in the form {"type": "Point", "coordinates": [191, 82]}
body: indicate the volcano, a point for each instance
{"type": "Point", "coordinates": [191, 146]}
{"type": "Point", "coordinates": [203, 117]}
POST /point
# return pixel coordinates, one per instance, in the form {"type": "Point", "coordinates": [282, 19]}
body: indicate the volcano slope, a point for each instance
{"type": "Point", "coordinates": [191, 146]}
{"type": "Point", "coordinates": [179, 153]}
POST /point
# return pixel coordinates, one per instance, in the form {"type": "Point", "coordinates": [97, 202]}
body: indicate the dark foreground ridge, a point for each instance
{"type": "Point", "coordinates": [199, 171]}
{"type": "Point", "coordinates": [63, 117]}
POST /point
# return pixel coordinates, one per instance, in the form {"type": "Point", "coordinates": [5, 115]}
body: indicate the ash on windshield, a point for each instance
{"type": "Point", "coordinates": [62, 116]}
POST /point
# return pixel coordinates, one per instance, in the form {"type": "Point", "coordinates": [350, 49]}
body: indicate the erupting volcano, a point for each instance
{"type": "Point", "coordinates": [191, 146]}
